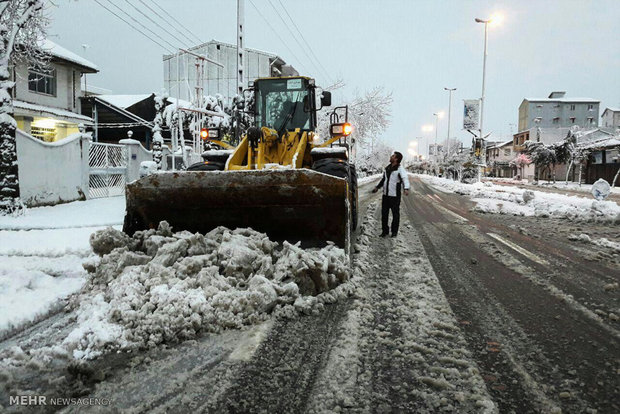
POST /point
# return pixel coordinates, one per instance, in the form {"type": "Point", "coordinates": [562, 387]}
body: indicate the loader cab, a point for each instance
{"type": "Point", "coordinates": [285, 104]}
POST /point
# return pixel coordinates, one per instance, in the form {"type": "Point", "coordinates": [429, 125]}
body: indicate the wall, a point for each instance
{"type": "Point", "coordinates": [51, 173]}
{"type": "Point", "coordinates": [549, 110]}
{"type": "Point", "coordinates": [66, 86]}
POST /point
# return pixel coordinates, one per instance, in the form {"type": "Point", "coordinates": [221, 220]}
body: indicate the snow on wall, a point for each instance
{"type": "Point", "coordinates": [50, 173]}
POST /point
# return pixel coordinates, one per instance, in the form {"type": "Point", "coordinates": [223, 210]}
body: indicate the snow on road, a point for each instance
{"type": "Point", "coordinates": [490, 198]}
{"type": "Point", "coordinates": [41, 255]}
{"type": "Point", "coordinates": [400, 348]}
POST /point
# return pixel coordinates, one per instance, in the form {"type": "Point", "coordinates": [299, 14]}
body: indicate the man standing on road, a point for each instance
{"type": "Point", "coordinates": [394, 176]}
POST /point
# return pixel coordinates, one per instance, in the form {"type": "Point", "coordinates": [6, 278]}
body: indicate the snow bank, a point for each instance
{"type": "Point", "coordinates": [26, 295]}
{"type": "Point", "coordinates": [490, 198]}
{"type": "Point", "coordinates": [160, 286]}
{"type": "Point", "coordinates": [98, 212]}
{"type": "Point", "coordinates": [603, 242]}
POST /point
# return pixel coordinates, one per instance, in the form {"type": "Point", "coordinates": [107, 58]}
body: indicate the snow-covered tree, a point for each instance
{"type": "Point", "coordinates": [369, 114]}
{"type": "Point", "coordinates": [577, 155]}
{"type": "Point", "coordinates": [520, 162]}
{"type": "Point", "coordinates": [22, 27]}
{"type": "Point", "coordinates": [158, 123]}
{"type": "Point", "coordinates": [543, 156]}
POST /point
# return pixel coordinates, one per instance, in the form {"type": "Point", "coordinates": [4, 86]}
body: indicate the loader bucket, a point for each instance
{"type": "Point", "coordinates": [294, 205]}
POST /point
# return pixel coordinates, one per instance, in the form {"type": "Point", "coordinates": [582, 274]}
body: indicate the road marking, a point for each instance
{"type": "Point", "coordinates": [519, 249]}
{"type": "Point", "coordinates": [437, 197]}
{"type": "Point", "coordinates": [450, 212]}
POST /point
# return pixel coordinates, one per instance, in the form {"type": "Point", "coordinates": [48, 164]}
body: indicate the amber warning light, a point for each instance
{"type": "Point", "coordinates": [204, 134]}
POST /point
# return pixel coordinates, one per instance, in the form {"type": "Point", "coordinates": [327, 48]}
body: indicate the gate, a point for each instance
{"type": "Point", "coordinates": [107, 170]}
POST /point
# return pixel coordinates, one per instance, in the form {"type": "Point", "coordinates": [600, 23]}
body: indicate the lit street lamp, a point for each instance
{"type": "Point", "coordinates": [494, 19]}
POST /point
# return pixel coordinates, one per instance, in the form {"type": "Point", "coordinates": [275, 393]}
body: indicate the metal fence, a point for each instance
{"type": "Point", "coordinates": [107, 170]}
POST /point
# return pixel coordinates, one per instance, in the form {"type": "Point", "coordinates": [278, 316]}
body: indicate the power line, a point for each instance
{"type": "Point", "coordinates": [295, 38]}
{"type": "Point", "coordinates": [274, 31]}
{"type": "Point", "coordinates": [135, 20]}
{"type": "Point", "coordinates": [164, 20]}
{"type": "Point", "coordinates": [178, 22]}
{"type": "Point", "coordinates": [154, 22]}
{"type": "Point", "coordinates": [135, 28]}
{"type": "Point", "coordinates": [305, 41]}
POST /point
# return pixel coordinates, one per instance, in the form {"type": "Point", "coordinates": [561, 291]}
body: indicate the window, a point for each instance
{"type": "Point", "coordinates": [590, 120]}
{"type": "Point", "coordinates": [537, 119]}
{"type": "Point", "coordinates": [42, 82]}
{"type": "Point", "coordinates": [590, 107]}
{"type": "Point", "coordinates": [572, 120]}
{"type": "Point", "coordinates": [572, 107]}
{"type": "Point", "coordinates": [506, 152]}
{"type": "Point", "coordinates": [44, 134]}
{"type": "Point", "coordinates": [556, 120]}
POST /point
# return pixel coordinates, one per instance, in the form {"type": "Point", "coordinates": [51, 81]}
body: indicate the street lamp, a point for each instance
{"type": "Point", "coordinates": [450, 90]}
{"type": "Point", "coordinates": [494, 19]}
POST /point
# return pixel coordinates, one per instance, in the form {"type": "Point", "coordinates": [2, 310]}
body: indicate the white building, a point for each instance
{"type": "Point", "coordinates": [611, 118]}
{"type": "Point", "coordinates": [46, 103]}
{"type": "Point", "coordinates": [557, 111]}
{"type": "Point", "coordinates": [181, 81]}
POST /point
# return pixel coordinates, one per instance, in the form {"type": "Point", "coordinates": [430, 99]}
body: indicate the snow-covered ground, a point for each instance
{"type": "Point", "coordinates": [560, 185]}
{"type": "Point", "coordinates": [491, 198]}
{"type": "Point", "coordinates": [41, 255]}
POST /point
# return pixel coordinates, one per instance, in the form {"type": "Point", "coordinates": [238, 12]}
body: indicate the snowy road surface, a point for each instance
{"type": "Point", "coordinates": [462, 312]}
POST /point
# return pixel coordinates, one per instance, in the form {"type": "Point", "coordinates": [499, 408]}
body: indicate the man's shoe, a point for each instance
{"type": "Point", "coordinates": [383, 235]}
{"type": "Point", "coordinates": [394, 235]}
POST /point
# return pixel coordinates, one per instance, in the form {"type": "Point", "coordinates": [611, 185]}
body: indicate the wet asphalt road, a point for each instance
{"type": "Point", "coordinates": [532, 304]}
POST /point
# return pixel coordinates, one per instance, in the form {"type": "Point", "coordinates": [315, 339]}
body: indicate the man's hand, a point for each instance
{"type": "Point", "coordinates": [374, 190]}
{"type": "Point", "coordinates": [406, 192]}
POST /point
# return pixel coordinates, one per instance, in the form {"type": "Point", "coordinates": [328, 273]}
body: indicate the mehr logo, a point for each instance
{"type": "Point", "coordinates": [27, 400]}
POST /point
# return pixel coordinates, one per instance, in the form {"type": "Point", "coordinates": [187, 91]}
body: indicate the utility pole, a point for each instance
{"type": "Point", "coordinates": [450, 90]}
{"type": "Point", "coordinates": [240, 50]}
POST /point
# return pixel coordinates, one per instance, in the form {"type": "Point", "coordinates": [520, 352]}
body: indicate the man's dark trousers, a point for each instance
{"type": "Point", "coordinates": [390, 203]}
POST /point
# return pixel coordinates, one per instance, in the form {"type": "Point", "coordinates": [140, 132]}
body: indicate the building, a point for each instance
{"type": "Point", "coordinates": [499, 156]}
{"type": "Point", "coordinates": [180, 80]}
{"type": "Point", "coordinates": [611, 118]}
{"type": "Point", "coordinates": [47, 103]}
{"type": "Point", "coordinates": [557, 111]}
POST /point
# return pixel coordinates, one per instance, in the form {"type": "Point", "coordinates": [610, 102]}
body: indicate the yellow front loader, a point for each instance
{"type": "Point", "coordinates": [279, 180]}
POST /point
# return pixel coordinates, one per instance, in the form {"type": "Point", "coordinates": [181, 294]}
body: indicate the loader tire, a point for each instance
{"type": "Point", "coordinates": [340, 168]}
{"type": "Point", "coordinates": [132, 224]}
{"type": "Point", "coordinates": [206, 166]}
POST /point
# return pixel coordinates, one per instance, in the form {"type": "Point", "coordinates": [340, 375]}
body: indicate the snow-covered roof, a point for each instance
{"type": "Point", "coordinates": [500, 144]}
{"type": "Point", "coordinates": [62, 53]}
{"type": "Point", "coordinates": [565, 100]}
{"type": "Point", "coordinates": [72, 116]}
{"type": "Point", "coordinates": [123, 101]}
{"type": "Point", "coordinates": [602, 143]}
{"type": "Point", "coordinates": [610, 109]}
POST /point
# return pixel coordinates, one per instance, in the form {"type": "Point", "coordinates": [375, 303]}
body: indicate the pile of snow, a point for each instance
{"type": "Point", "coordinates": [492, 198]}
{"type": "Point", "coordinates": [159, 286]}
{"type": "Point", "coordinates": [603, 242]}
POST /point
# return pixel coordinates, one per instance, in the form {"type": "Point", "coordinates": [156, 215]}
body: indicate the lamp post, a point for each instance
{"type": "Point", "coordinates": [493, 19]}
{"type": "Point", "coordinates": [450, 90]}
{"type": "Point", "coordinates": [437, 116]}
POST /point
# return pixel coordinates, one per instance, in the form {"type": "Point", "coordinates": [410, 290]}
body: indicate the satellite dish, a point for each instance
{"type": "Point", "coordinates": [601, 189]}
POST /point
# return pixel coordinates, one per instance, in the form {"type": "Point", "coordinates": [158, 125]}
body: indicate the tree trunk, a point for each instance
{"type": "Point", "coordinates": [613, 183]}
{"type": "Point", "coordinates": [580, 165]}
{"type": "Point", "coordinates": [9, 182]}
{"type": "Point", "coordinates": [568, 171]}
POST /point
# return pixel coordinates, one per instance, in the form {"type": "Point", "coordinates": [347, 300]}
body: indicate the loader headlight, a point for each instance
{"type": "Point", "coordinates": [341, 129]}
{"type": "Point", "coordinates": [204, 134]}
{"type": "Point", "coordinates": [214, 133]}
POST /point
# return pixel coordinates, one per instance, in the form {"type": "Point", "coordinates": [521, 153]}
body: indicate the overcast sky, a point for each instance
{"type": "Point", "coordinates": [412, 48]}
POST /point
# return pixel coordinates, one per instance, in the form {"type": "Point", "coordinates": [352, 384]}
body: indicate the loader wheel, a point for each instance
{"type": "Point", "coordinates": [206, 166]}
{"type": "Point", "coordinates": [338, 168]}
{"type": "Point", "coordinates": [132, 224]}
